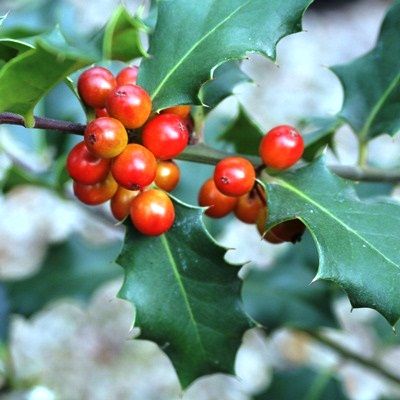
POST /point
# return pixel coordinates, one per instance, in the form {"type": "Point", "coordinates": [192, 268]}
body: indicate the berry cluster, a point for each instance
{"type": "Point", "coordinates": [234, 186]}
{"type": "Point", "coordinates": [135, 177]}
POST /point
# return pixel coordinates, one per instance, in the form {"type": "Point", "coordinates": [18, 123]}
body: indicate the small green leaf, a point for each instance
{"type": "Point", "coordinates": [244, 135]}
{"type": "Point", "coordinates": [122, 36]}
{"type": "Point", "coordinates": [283, 295]}
{"type": "Point", "coordinates": [187, 298]}
{"type": "Point", "coordinates": [303, 384]}
{"type": "Point", "coordinates": [371, 83]}
{"type": "Point", "coordinates": [26, 78]}
{"type": "Point", "coordinates": [225, 79]}
{"type": "Point", "coordinates": [71, 269]}
{"type": "Point", "coordinates": [357, 240]}
{"type": "Point", "coordinates": [193, 37]}
{"type": "Point", "coordinates": [322, 135]}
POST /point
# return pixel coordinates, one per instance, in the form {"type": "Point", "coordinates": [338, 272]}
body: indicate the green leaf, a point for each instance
{"type": "Point", "coordinates": [71, 269]}
{"type": "Point", "coordinates": [303, 384]}
{"type": "Point", "coordinates": [371, 83]}
{"type": "Point", "coordinates": [321, 135]}
{"type": "Point", "coordinates": [357, 240]}
{"type": "Point", "coordinates": [283, 296]}
{"type": "Point", "coordinates": [26, 78]}
{"type": "Point", "coordinates": [225, 79]}
{"type": "Point", "coordinates": [243, 135]}
{"type": "Point", "coordinates": [193, 37]}
{"type": "Point", "coordinates": [122, 36]}
{"type": "Point", "coordinates": [187, 298]}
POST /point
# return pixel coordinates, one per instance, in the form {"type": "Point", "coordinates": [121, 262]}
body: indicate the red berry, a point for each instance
{"type": "Point", "coordinates": [168, 175]}
{"type": "Point", "coordinates": [281, 147]}
{"type": "Point", "coordinates": [105, 137]}
{"type": "Point", "coordinates": [152, 212]}
{"type": "Point", "coordinates": [219, 204]}
{"type": "Point", "coordinates": [180, 111]}
{"type": "Point", "coordinates": [165, 136]}
{"type": "Point", "coordinates": [84, 167]}
{"type": "Point", "coordinates": [135, 168]}
{"type": "Point", "coordinates": [287, 231]}
{"type": "Point", "coordinates": [234, 176]}
{"type": "Point", "coordinates": [121, 202]}
{"type": "Point", "coordinates": [127, 76]}
{"type": "Point", "coordinates": [97, 193]}
{"type": "Point", "coordinates": [94, 86]}
{"type": "Point", "coordinates": [249, 206]}
{"type": "Point", "coordinates": [130, 104]}
{"type": "Point", "coordinates": [101, 112]}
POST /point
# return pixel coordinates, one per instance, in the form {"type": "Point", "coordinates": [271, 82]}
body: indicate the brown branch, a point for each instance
{"type": "Point", "coordinates": [201, 153]}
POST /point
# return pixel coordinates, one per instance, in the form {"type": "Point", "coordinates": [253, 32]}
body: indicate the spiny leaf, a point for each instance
{"type": "Point", "coordinates": [225, 79]}
{"type": "Point", "coordinates": [193, 37]}
{"type": "Point", "coordinates": [357, 240]}
{"type": "Point", "coordinates": [371, 83]}
{"type": "Point", "coordinates": [187, 298]}
{"type": "Point", "coordinates": [283, 296]}
{"type": "Point", "coordinates": [243, 134]}
{"type": "Point", "coordinates": [26, 78]}
{"type": "Point", "coordinates": [122, 36]}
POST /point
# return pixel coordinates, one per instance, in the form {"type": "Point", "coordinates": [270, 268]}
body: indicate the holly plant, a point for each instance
{"type": "Point", "coordinates": [146, 108]}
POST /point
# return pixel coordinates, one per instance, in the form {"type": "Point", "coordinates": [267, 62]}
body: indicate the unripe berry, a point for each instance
{"type": "Point", "coordinates": [127, 76]}
{"type": "Point", "coordinates": [130, 104]}
{"type": "Point", "coordinates": [84, 167]}
{"type": "Point", "coordinates": [281, 147]}
{"type": "Point", "coordinates": [234, 176]}
{"type": "Point", "coordinates": [219, 204]}
{"type": "Point", "coordinates": [249, 205]}
{"type": "Point", "coordinates": [135, 168]}
{"type": "Point", "coordinates": [98, 193]}
{"type": "Point", "coordinates": [165, 136]}
{"type": "Point", "coordinates": [168, 175]}
{"type": "Point", "coordinates": [121, 202]}
{"type": "Point", "coordinates": [152, 212]}
{"type": "Point", "coordinates": [180, 111]}
{"type": "Point", "coordinates": [94, 86]}
{"type": "Point", "coordinates": [105, 137]}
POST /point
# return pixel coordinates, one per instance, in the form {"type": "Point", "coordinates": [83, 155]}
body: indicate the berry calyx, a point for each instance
{"type": "Point", "coordinates": [121, 202]}
{"type": "Point", "coordinates": [152, 212]}
{"type": "Point", "coordinates": [180, 111]}
{"type": "Point", "coordinates": [249, 205]}
{"type": "Point", "coordinates": [135, 168]}
{"type": "Point", "coordinates": [105, 137]}
{"type": "Point", "coordinates": [218, 204]}
{"type": "Point", "coordinates": [130, 104]}
{"type": "Point", "coordinates": [84, 167]}
{"type": "Point", "coordinates": [281, 147]}
{"type": "Point", "coordinates": [165, 136]}
{"type": "Point", "coordinates": [96, 194]}
{"type": "Point", "coordinates": [127, 76]}
{"type": "Point", "coordinates": [94, 86]}
{"type": "Point", "coordinates": [168, 174]}
{"type": "Point", "coordinates": [234, 176]}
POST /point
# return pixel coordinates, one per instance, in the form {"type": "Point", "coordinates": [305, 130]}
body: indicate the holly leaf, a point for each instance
{"type": "Point", "coordinates": [357, 240]}
{"type": "Point", "coordinates": [71, 269]}
{"type": "Point", "coordinates": [210, 33]}
{"type": "Point", "coordinates": [187, 298]}
{"type": "Point", "coordinates": [225, 79]}
{"type": "Point", "coordinates": [121, 39]}
{"type": "Point", "coordinates": [371, 83]}
{"type": "Point", "coordinates": [303, 384]}
{"type": "Point", "coordinates": [283, 296]}
{"type": "Point", "coordinates": [243, 135]}
{"type": "Point", "coordinates": [26, 78]}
